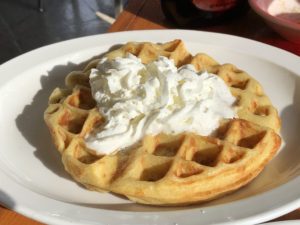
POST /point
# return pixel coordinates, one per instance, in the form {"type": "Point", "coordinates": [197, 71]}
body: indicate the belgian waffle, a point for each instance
{"type": "Point", "coordinates": [167, 169]}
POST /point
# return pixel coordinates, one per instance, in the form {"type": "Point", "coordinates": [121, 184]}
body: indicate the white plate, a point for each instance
{"type": "Point", "coordinates": [34, 183]}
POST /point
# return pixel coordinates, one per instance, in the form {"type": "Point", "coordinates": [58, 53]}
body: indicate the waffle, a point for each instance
{"type": "Point", "coordinates": [167, 169]}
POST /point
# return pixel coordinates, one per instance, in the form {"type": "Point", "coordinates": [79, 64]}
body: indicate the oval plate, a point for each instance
{"type": "Point", "coordinates": [33, 180]}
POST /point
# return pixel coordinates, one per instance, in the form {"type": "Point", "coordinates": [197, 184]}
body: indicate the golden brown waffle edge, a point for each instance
{"type": "Point", "coordinates": [167, 170]}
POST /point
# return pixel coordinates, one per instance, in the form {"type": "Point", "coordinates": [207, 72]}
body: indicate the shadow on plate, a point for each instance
{"type": "Point", "coordinates": [290, 132]}
{"type": "Point", "coordinates": [6, 200]}
{"type": "Point", "coordinates": [37, 134]}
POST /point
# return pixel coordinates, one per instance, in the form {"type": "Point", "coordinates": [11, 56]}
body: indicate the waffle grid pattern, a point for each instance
{"type": "Point", "coordinates": [166, 169]}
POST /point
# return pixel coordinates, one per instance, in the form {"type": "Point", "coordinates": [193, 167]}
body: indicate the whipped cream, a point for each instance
{"type": "Point", "coordinates": [287, 9]}
{"type": "Point", "coordinates": [139, 100]}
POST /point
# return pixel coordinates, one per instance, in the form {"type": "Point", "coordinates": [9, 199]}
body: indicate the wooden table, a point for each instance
{"type": "Point", "coordinates": [146, 14]}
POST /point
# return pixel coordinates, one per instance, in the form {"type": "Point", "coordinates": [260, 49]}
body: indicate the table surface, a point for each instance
{"type": "Point", "coordinates": [138, 15]}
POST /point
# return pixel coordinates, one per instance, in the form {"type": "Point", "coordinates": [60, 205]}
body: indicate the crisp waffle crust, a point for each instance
{"type": "Point", "coordinates": [167, 169]}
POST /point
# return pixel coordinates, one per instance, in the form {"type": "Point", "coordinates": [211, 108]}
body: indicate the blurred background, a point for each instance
{"type": "Point", "coordinates": [29, 24]}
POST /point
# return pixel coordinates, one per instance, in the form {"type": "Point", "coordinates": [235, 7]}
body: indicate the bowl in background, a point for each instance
{"type": "Point", "coordinates": [281, 15]}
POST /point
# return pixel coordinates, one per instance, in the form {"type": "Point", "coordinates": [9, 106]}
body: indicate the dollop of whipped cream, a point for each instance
{"type": "Point", "coordinates": [286, 9]}
{"type": "Point", "coordinates": [138, 100]}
